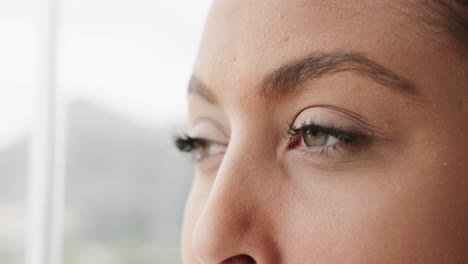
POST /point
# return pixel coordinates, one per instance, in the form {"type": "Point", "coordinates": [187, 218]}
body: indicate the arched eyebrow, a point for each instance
{"type": "Point", "coordinates": [197, 87]}
{"type": "Point", "coordinates": [290, 76]}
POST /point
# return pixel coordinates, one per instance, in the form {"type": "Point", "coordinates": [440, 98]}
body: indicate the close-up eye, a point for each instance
{"type": "Point", "coordinates": [318, 138]}
{"type": "Point", "coordinates": [315, 137]}
{"type": "Point", "coordinates": [199, 147]}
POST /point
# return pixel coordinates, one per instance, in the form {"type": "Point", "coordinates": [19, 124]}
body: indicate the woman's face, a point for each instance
{"type": "Point", "coordinates": [334, 131]}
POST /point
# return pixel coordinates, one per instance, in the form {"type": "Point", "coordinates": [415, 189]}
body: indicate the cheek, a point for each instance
{"type": "Point", "coordinates": [421, 209]}
{"type": "Point", "coordinates": [410, 207]}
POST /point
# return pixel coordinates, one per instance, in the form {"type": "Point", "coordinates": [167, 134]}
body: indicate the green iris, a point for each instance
{"type": "Point", "coordinates": [315, 138]}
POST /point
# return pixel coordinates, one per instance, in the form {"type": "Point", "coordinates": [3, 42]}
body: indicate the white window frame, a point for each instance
{"type": "Point", "coordinates": [46, 182]}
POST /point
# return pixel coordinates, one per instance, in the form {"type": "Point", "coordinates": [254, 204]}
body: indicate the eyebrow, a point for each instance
{"type": "Point", "coordinates": [199, 88]}
{"type": "Point", "coordinates": [290, 76]}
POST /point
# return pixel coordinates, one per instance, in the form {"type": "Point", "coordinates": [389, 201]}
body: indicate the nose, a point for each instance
{"type": "Point", "coordinates": [240, 259]}
{"type": "Point", "coordinates": [235, 224]}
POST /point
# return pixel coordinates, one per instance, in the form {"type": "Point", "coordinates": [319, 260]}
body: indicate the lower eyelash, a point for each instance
{"type": "Point", "coordinates": [321, 151]}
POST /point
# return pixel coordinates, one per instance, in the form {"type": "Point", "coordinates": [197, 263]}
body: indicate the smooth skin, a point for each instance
{"type": "Point", "coordinates": [399, 196]}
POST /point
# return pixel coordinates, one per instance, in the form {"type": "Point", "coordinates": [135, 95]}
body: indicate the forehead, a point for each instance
{"type": "Point", "coordinates": [245, 39]}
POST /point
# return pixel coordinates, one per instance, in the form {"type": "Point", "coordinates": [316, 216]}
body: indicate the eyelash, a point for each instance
{"type": "Point", "coordinates": [186, 143]}
{"type": "Point", "coordinates": [346, 138]}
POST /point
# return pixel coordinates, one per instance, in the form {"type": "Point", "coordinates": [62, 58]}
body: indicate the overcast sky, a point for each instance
{"type": "Point", "coordinates": [131, 56]}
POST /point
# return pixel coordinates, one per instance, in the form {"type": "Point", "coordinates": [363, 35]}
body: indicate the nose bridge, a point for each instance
{"type": "Point", "coordinates": [231, 222]}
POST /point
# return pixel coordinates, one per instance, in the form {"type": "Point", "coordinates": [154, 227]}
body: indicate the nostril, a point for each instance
{"type": "Point", "coordinates": [240, 259]}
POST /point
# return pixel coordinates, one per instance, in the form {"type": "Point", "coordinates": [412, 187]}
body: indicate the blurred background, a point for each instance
{"type": "Point", "coordinates": [122, 68]}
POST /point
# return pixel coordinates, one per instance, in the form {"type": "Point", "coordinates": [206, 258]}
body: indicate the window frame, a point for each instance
{"type": "Point", "coordinates": [46, 174]}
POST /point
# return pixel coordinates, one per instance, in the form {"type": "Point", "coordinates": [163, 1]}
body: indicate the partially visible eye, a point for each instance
{"type": "Point", "coordinates": [318, 138]}
{"type": "Point", "coordinates": [200, 148]}
{"type": "Point", "coordinates": [207, 149]}
{"type": "Point", "coordinates": [315, 137]}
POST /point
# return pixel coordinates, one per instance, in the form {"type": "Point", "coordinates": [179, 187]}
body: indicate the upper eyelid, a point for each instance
{"type": "Point", "coordinates": [209, 141]}
{"type": "Point", "coordinates": [356, 118]}
{"type": "Point", "coordinates": [212, 122]}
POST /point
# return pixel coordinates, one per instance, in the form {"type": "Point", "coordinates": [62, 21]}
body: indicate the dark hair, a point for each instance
{"type": "Point", "coordinates": [452, 19]}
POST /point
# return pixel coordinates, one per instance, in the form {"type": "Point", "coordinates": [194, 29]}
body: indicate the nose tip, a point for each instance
{"type": "Point", "coordinates": [232, 232]}
{"type": "Point", "coordinates": [218, 235]}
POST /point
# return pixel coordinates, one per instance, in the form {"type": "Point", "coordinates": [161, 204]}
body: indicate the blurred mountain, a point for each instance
{"type": "Point", "coordinates": [131, 175]}
{"type": "Point", "coordinates": [125, 182]}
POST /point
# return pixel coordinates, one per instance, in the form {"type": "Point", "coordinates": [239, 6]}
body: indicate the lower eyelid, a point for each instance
{"type": "Point", "coordinates": [321, 149]}
{"type": "Point", "coordinates": [210, 163]}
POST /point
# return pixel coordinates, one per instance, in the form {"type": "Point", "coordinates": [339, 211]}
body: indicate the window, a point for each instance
{"type": "Point", "coordinates": [16, 84]}
{"type": "Point", "coordinates": [119, 71]}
